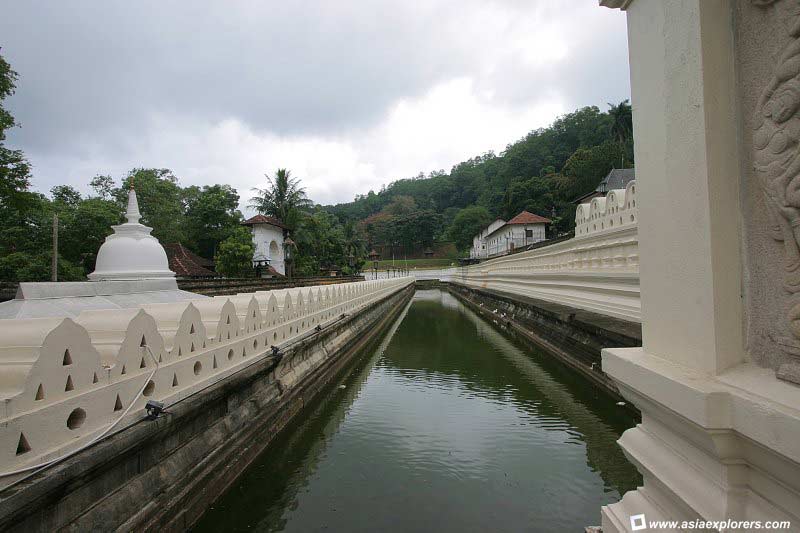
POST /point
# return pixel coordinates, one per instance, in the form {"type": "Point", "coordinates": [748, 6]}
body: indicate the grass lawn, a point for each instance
{"type": "Point", "coordinates": [411, 263]}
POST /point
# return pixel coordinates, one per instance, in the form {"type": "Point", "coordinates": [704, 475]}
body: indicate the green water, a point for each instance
{"type": "Point", "coordinates": [448, 425]}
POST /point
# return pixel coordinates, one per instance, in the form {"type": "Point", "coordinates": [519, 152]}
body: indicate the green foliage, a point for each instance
{"type": "Point", "coordinates": [322, 243]}
{"type": "Point", "coordinates": [200, 218]}
{"type": "Point", "coordinates": [16, 201]}
{"type": "Point", "coordinates": [354, 248]}
{"type": "Point", "coordinates": [83, 225]}
{"type": "Point", "coordinates": [24, 266]}
{"type": "Point", "coordinates": [22, 219]}
{"type": "Point", "coordinates": [103, 186]}
{"type": "Point", "coordinates": [8, 79]}
{"type": "Point", "coordinates": [580, 172]}
{"type": "Point", "coordinates": [418, 227]}
{"type": "Point", "coordinates": [401, 205]}
{"type": "Point", "coordinates": [283, 198]}
{"type": "Point", "coordinates": [212, 215]}
{"type": "Point", "coordinates": [235, 254]}
{"type": "Point", "coordinates": [83, 229]}
{"type": "Point", "coordinates": [621, 121]}
{"type": "Point", "coordinates": [466, 224]}
{"type": "Point", "coordinates": [536, 195]}
{"type": "Point", "coordinates": [65, 197]}
{"type": "Point", "coordinates": [160, 201]}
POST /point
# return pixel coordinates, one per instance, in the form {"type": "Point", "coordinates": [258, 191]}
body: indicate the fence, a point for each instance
{"type": "Point", "coordinates": [68, 382]}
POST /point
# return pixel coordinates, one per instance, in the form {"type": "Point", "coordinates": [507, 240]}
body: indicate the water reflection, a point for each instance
{"type": "Point", "coordinates": [446, 426]}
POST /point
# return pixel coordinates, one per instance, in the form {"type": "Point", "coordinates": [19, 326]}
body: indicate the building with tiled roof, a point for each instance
{"type": "Point", "coordinates": [617, 178]}
{"type": "Point", "coordinates": [268, 235]}
{"type": "Point", "coordinates": [264, 219]}
{"type": "Point", "coordinates": [187, 264]}
{"type": "Point", "coordinates": [503, 237]}
{"type": "Point", "coordinates": [526, 218]}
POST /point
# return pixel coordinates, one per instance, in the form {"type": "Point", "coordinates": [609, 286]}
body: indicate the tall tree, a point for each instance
{"type": "Point", "coordinates": [354, 247]}
{"type": "Point", "coordinates": [65, 196]}
{"type": "Point", "coordinates": [8, 79]}
{"type": "Point", "coordinates": [235, 254]}
{"type": "Point", "coordinates": [15, 171]}
{"type": "Point", "coordinates": [535, 195]}
{"type": "Point", "coordinates": [320, 243]}
{"type": "Point", "coordinates": [83, 226]}
{"type": "Point", "coordinates": [212, 215]}
{"type": "Point", "coordinates": [161, 201]}
{"type": "Point", "coordinates": [103, 186]}
{"type": "Point", "coordinates": [282, 198]}
{"type": "Point", "coordinates": [25, 219]}
{"type": "Point", "coordinates": [588, 166]}
{"type": "Point", "coordinates": [468, 223]}
{"type": "Point", "coordinates": [621, 121]}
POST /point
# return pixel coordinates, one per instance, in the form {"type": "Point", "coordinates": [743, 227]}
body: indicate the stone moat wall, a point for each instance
{"type": "Point", "coordinates": [573, 336]}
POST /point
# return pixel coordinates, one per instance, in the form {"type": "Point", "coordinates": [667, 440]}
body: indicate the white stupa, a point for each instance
{"type": "Point", "coordinates": [131, 271]}
{"type": "Point", "coordinates": [131, 253]}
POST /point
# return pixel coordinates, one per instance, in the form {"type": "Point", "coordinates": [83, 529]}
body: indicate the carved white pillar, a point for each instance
{"type": "Point", "coordinates": [720, 435]}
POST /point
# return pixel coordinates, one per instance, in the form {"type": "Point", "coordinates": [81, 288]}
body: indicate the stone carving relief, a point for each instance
{"type": "Point", "coordinates": [776, 144]}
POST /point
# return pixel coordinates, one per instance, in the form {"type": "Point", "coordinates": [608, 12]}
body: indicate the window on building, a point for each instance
{"type": "Point", "coordinates": [529, 233]}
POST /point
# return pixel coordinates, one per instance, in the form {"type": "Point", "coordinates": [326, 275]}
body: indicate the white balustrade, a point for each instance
{"type": "Point", "coordinates": [64, 381]}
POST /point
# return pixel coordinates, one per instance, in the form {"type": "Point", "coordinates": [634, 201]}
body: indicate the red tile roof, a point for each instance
{"type": "Point", "coordinates": [264, 219]}
{"type": "Point", "coordinates": [186, 264]}
{"type": "Point", "coordinates": [528, 218]}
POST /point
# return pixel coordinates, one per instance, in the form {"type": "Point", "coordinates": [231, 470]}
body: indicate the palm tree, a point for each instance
{"type": "Point", "coordinates": [283, 198]}
{"type": "Point", "coordinates": [353, 246]}
{"type": "Point", "coordinates": [622, 121]}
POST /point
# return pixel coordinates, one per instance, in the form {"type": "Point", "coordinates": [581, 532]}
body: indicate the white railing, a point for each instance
{"type": "Point", "coordinates": [419, 274]}
{"type": "Point", "coordinates": [598, 270]}
{"type": "Point", "coordinates": [65, 382]}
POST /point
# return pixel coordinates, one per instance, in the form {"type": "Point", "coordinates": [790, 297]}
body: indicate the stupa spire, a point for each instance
{"type": "Point", "coordinates": [132, 214]}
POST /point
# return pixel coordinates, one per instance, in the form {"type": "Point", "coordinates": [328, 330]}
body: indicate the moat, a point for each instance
{"type": "Point", "coordinates": [445, 424]}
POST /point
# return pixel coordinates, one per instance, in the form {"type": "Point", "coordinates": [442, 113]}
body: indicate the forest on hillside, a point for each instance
{"type": "Point", "coordinates": [541, 173]}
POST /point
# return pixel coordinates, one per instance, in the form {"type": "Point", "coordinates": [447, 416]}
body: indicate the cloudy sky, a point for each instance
{"type": "Point", "coordinates": [348, 94]}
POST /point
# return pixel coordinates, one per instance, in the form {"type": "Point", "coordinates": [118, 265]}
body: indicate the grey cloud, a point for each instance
{"type": "Point", "coordinates": [96, 75]}
{"type": "Point", "coordinates": [287, 67]}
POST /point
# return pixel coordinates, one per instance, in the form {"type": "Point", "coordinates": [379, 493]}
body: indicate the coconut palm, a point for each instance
{"type": "Point", "coordinates": [353, 247]}
{"type": "Point", "coordinates": [283, 198]}
{"type": "Point", "coordinates": [622, 121]}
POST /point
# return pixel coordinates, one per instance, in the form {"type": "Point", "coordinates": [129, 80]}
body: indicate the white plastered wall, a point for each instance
{"type": "Point", "coordinates": [720, 437]}
{"type": "Point", "coordinates": [264, 235]}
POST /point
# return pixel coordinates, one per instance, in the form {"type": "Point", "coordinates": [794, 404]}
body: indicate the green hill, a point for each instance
{"type": "Point", "coordinates": [541, 173]}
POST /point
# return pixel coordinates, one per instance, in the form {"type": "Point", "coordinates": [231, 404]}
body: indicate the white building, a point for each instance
{"type": "Point", "coordinates": [478, 250]}
{"type": "Point", "coordinates": [502, 237]}
{"type": "Point", "coordinates": [268, 234]}
{"type": "Point", "coordinates": [616, 179]}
